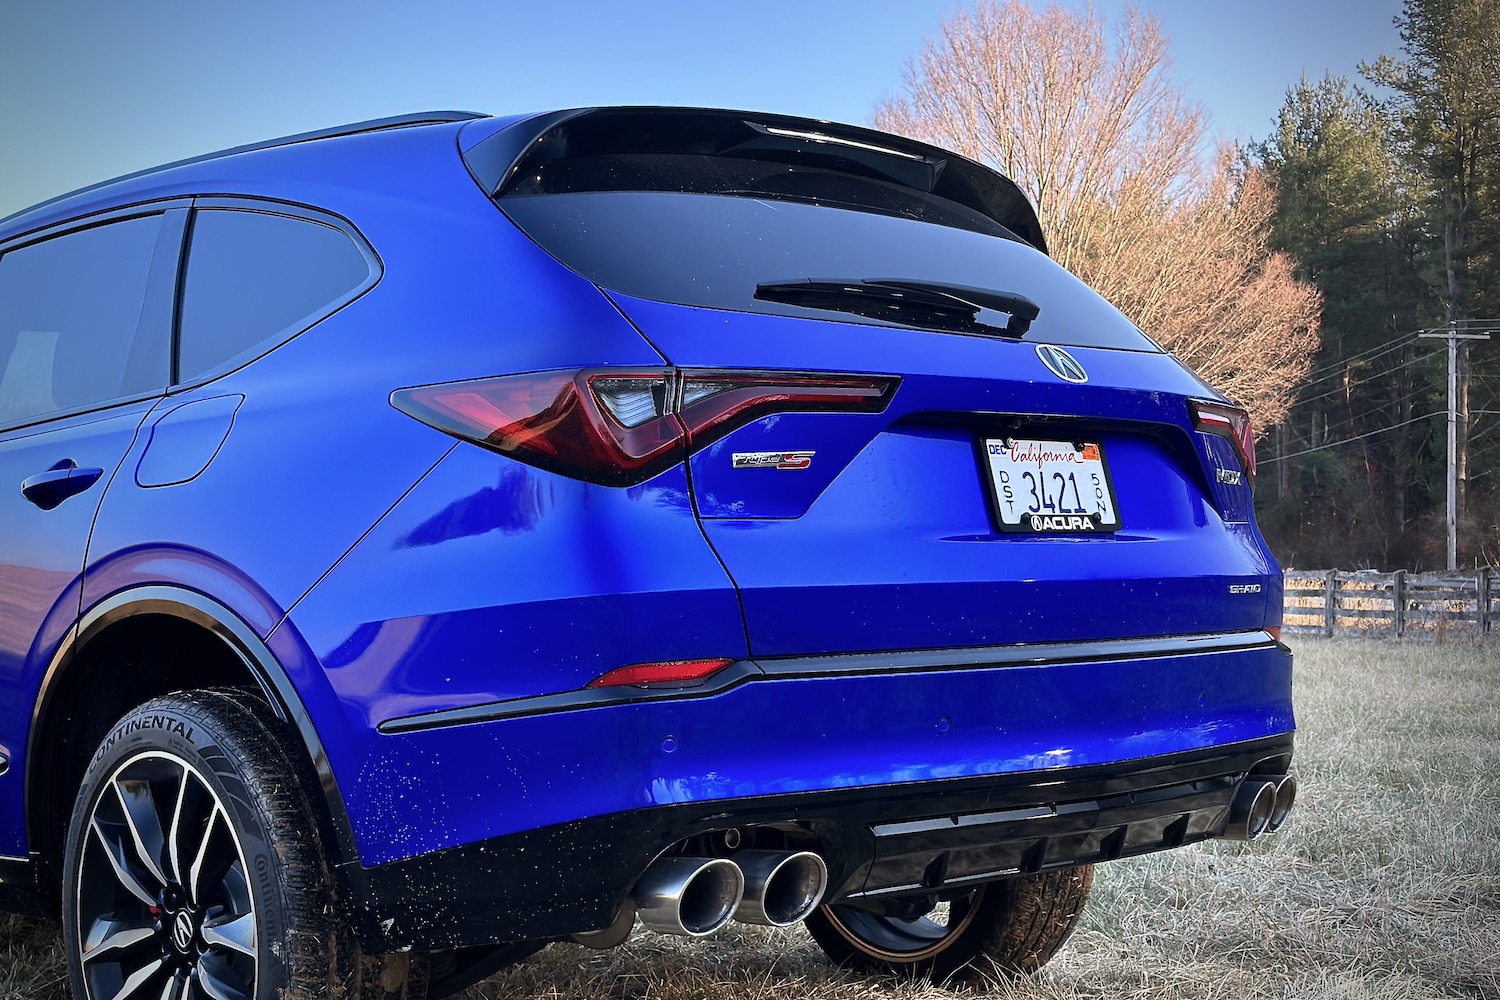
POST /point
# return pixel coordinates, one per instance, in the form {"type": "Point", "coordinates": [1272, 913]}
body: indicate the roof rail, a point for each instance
{"type": "Point", "coordinates": [355, 128]}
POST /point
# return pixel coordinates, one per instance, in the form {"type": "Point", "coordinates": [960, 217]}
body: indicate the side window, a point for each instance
{"type": "Point", "coordinates": [71, 325]}
{"type": "Point", "coordinates": [254, 280]}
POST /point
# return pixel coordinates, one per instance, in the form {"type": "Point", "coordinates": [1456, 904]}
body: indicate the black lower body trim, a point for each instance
{"type": "Point", "coordinates": [878, 842]}
{"type": "Point", "coordinates": [23, 891]}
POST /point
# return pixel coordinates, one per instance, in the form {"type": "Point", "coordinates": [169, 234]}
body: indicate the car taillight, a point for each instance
{"type": "Point", "coordinates": [1230, 422]}
{"type": "Point", "coordinates": [617, 427]}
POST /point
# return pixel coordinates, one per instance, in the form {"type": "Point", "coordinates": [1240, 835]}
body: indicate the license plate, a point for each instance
{"type": "Point", "coordinates": [1049, 487]}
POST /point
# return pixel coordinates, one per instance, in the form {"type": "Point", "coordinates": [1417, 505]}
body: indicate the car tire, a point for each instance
{"type": "Point", "coordinates": [1009, 927]}
{"type": "Point", "coordinates": [194, 868]}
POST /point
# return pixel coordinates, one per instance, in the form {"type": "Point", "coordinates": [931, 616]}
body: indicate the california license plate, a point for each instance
{"type": "Point", "coordinates": [1051, 487]}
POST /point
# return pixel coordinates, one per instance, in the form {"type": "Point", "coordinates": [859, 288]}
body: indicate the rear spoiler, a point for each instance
{"type": "Point", "coordinates": [524, 146]}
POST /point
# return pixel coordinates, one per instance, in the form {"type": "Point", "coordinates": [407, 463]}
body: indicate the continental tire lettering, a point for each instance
{"type": "Point", "coordinates": [141, 723]}
{"type": "Point", "coordinates": [270, 916]}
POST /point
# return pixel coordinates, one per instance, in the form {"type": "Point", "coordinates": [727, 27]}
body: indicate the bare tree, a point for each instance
{"type": "Point", "coordinates": [1113, 155]}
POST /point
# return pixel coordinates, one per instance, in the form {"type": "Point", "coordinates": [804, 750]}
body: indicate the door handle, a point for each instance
{"type": "Point", "coordinates": [50, 488]}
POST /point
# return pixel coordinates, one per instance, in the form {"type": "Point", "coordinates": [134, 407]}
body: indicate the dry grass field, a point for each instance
{"type": "Point", "coordinates": [1385, 885]}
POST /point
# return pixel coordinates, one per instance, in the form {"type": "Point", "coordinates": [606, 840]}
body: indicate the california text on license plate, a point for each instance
{"type": "Point", "coordinates": [1042, 487]}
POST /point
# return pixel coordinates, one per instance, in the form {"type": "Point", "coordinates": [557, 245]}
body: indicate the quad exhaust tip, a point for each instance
{"type": "Point", "coordinates": [692, 897]}
{"type": "Point", "coordinates": [780, 888]}
{"type": "Point", "coordinates": [689, 897]}
{"type": "Point", "coordinates": [1262, 804]}
{"type": "Point", "coordinates": [1286, 797]}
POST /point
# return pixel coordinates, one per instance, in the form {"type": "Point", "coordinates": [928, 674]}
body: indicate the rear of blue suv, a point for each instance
{"type": "Point", "coordinates": [443, 536]}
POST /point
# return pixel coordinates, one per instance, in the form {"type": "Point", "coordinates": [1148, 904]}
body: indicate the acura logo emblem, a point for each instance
{"type": "Point", "coordinates": [182, 932]}
{"type": "Point", "coordinates": [1062, 364]}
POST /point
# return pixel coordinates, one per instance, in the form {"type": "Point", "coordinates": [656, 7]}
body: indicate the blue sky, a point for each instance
{"type": "Point", "coordinates": [94, 88]}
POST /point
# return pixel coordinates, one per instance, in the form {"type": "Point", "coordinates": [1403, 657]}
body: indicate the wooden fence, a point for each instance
{"type": "Point", "coordinates": [1433, 606]}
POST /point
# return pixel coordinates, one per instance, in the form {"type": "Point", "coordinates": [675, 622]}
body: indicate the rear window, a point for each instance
{"type": "Point", "coordinates": [256, 279]}
{"type": "Point", "coordinates": [712, 250]}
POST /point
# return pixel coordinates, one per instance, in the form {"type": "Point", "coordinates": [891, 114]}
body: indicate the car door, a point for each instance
{"type": "Point", "coordinates": [85, 345]}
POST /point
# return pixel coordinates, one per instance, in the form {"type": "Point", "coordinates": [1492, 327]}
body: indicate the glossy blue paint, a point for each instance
{"type": "Point", "coordinates": [185, 439]}
{"type": "Point", "coordinates": [41, 573]}
{"type": "Point", "coordinates": [393, 571]}
{"type": "Point", "coordinates": [521, 582]}
{"type": "Point", "coordinates": [421, 791]}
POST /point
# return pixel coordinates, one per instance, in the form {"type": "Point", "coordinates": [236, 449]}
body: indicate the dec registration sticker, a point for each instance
{"type": "Point", "coordinates": [1047, 487]}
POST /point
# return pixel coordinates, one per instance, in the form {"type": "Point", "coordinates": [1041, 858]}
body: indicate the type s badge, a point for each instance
{"type": "Point", "coordinates": [773, 459]}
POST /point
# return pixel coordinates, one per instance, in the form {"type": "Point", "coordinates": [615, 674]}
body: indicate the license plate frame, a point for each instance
{"type": "Point", "coordinates": [1030, 465]}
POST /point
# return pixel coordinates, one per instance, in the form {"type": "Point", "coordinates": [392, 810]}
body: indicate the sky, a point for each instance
{"type": "Point", "coordinates": [90, 89]}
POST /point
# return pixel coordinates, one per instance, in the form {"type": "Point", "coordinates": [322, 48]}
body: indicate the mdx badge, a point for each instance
{"type": "Point", "coordinates": [1062, 364]}
{"type": "Point", "coordinates": [772, 459]}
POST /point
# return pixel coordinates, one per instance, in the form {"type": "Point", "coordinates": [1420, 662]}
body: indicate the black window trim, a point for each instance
{"type": "Point", "coordinates": [267, 206]}
{"type": "Point", "coordinates": [162, 269]}
{"type": "Point", "coordinates": [168, 270]}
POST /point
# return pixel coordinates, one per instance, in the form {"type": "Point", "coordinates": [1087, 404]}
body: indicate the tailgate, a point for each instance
{"type": "Point", "coordinates": [889, 537]}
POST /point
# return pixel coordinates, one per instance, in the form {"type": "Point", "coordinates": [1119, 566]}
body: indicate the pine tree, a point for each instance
{"type": "Point", "coordinates": [1344, 214]}
{"type": "Point", "coordinates": [1446, 110]}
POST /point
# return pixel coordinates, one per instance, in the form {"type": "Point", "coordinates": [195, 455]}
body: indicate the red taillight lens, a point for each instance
{"type": "Point", "coordinates": [667, 672]}
{"type": "Point", "coordinates": [1274, 631]}
{"type": "Point", "coordinates": [617, 427]}
{"type": "Point", "coordinates": [1230, 422]}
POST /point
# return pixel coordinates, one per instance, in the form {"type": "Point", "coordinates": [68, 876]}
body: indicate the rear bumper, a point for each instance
{"type": "Point", "coordinates": [533, 817]}
{"type": "Point", "coordinates": [878, 842]}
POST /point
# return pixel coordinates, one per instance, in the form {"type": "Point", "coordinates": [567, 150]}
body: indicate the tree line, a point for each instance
{"type": "Point", "coordinates": [1389, 199]}
{"type": "Point", "coordinates": [1293, 274]}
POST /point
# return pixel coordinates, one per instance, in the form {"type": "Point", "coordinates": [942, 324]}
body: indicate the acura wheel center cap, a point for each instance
{"type": "Point", "coordinates": [183, 932]}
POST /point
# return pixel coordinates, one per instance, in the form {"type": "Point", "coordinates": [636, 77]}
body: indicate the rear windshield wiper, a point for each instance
{"type": "Point", "coordinates": [908, 301]}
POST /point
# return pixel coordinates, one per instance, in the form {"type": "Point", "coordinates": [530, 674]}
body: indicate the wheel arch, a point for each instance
{"type": "Point", "coordinates": [239, 657]}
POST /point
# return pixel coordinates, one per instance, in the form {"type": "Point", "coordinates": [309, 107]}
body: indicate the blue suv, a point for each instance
{"type": "Point", "coordinates": [440, 536]}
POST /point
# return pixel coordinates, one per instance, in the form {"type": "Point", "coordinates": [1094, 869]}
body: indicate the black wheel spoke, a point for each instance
{"type": "Point", "coordinates": [138, 979]}
{"type": "Point", "coordinates": [174, 988]}
{"type": "Point", "coordinates": [138, 812]}
{"type": "Point", "coordinates": [218, 982]}
{"type": "Point", "coordinates": [234, 933]}
{"type": "Point", "coordinates": [202, 857]}
{"type": "Point", "coordinates": [119, 862]}
{"type": "Point", "coordinates": [110, 939]}
{"type": "Point", "coordinates": [175, 833]}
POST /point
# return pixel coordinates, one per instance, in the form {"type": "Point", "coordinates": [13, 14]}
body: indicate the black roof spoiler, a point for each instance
{"type": "Point", "coordinates": [520, 149]}
{"type": "Point", "coordinates": [355, 128]}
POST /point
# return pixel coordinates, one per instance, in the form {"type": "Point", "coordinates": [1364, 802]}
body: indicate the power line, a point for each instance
{"type": "Point", "coordinates": [1351, 440]}
{"type": "Point", "coordinates": [1404, 338]}
{"type": "Point", "coordinates": [1377, 413]}
{"type": "Point", "coordinates": [1368, 378]}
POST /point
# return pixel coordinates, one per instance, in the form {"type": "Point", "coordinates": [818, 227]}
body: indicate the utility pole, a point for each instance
{"type": "Point", "coordinates": [1458, 330]}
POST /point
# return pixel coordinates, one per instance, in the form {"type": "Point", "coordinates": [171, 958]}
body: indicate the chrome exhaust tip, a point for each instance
{"type": "Point", "coordinates": [690, 897]}
{"type": "Point", "coordinates": [1286, 797]}
{"type": "Point", "coordinates": [781, 888]}
{"type": "Point", "coordinates": [1252, 808]}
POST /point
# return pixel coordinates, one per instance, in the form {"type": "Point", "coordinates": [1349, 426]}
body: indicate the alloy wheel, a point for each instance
{"type": "Point", "coordinates": [165, 910]}
{"type": "Point", "coordinates": [900, 940]}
